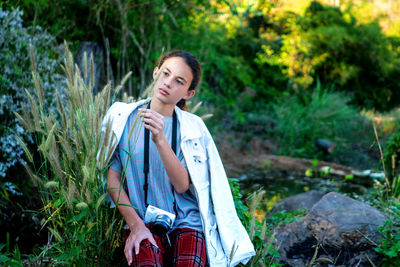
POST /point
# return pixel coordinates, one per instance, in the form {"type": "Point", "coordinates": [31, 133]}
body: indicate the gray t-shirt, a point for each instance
{"type": "Point", "coordinates": [128, 159]}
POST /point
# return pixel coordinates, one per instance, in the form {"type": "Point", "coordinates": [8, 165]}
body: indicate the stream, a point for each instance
{"type": "Point", "coordinates": [281, 184]}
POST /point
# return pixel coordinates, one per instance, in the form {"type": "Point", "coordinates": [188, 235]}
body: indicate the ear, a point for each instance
{"type": "Point", "coordinates": [189, 94]}
{"type": "Point", "coordinates": [155, 72]}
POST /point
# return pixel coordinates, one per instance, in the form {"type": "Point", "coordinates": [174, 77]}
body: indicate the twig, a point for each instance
{"type": "Point", "coordinates": [366, 237]}
{"type": "Point", "coordinates": [358, 263]}
{"type": "Point", "coordinates": [383, 162]}
{"type": "Point", "coordinates": [337, 257]}
{"type": "Point", "coordinates": [314, 256]}
{"type": "Point", "coordinates": [370, 261]}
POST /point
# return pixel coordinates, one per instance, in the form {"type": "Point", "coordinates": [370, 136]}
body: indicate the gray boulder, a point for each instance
{"type": "Point", "coordinates": [304, 200]}
{"type": "Point", "coordinates": [338, 231]}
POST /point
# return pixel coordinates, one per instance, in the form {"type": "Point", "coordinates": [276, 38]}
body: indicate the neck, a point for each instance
{"type": "Point", "coordinates": [164, 109]}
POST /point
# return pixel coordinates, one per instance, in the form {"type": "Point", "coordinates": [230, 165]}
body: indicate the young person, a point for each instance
{"type": "Point", "coordinates": [178, 171]}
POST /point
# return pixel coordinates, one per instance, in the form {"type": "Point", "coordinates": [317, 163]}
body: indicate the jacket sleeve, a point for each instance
{"type": "Point", "coordinates": [232, 233]}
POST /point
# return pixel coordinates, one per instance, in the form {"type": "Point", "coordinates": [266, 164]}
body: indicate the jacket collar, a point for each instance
{"type": "Point", "coordinates": [188, 124]}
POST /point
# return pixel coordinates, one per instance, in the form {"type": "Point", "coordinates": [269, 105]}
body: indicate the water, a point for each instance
{"type": "Point", "coordinates": [280, 184]}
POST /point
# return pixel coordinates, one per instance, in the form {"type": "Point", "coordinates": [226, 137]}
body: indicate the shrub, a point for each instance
{"type": "Point", "coordinates": [299, 121]}
{"type": "Point", "coordinates": [333, 46]}
{"type": "Point", "coordinates": [16, 79]}
{"type": "Point", "coordinates": [261, 228]}
{"type": "Point", "coordinates": [392, 155]}
{"type": "Point", "coordinates": [390, 243]}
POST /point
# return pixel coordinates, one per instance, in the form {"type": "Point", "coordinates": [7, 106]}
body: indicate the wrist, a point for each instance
{"type": "Point", "coordinates": [135, 224]}
{"type": "Point", "coordinates": [160, 140]}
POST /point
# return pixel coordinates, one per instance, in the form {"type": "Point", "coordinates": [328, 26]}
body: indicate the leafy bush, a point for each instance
{"type": "Point", "coordinates": [16, 79]}
{"type": "Point", "coordinates": [392, 163]}
{"type": "Point", "coordinates": [328, 44]}
{"type": "Point", "coordinates": [265, 252]}
{"type": "Point", "coordinates": [299, 122]}
{"type": "Point", "coordinates": [392, 155]}
{"type": "Point", "coordinates": [390, 243]}
{"type": "Point", "coordinates": [261, 228]}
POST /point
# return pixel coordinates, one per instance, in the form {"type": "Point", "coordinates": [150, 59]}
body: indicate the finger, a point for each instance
{"type": "Point", "coordinates": [152, 240]}
{"type": "Point", "coordinates": [151, 113]}
{"type": "Point", "coordinates": [137, 246]}
{"type": "Point", "coordinates": [152, 117]}
{"type": "Point", "coordinates": [128, 251]}
{"type": "Point", "coordinates": [155, 131]}
{"type": "Point", "coordinates": [158, 115]}
{"type": "Point", "coordinates": [142, 112]}
{"type": "Point", "coordinates": [155, 117]}
{"type": "Point", "coordinates": [146, 111]}
{"type": "Point", "coordinates": [152, 122]}
{"type": "Point", "coordinates": [151, 128]}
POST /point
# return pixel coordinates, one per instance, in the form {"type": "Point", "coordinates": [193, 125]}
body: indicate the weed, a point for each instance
{"type": "Point", "coordinates": [71, 178]}
{"type": "Point", "coordinates": [390, 243]}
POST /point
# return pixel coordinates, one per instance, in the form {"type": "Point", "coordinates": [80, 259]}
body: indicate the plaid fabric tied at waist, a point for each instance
{"type": "Point", "coordinates": [187, 249]}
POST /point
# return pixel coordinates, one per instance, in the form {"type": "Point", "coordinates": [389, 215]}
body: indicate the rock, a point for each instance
{"type": "Point", "coordinates": [324, 145]}
{"type": "Point", "coordinates": [97, 51]}
{"type": "Point", "coordinates": [339, 230]}
{"type": "Point", "coordinates": [304, 200]}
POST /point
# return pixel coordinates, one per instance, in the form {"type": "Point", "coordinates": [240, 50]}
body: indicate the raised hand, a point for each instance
{"type": "Point", "coordinates": [154, 122]}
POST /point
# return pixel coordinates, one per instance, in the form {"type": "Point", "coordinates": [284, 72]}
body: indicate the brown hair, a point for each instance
{"type": "Point", "coordinates": [194, 65]}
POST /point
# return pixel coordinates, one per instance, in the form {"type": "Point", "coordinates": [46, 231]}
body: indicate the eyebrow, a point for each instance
{"type": "Point", "coordinates": [179, 77]}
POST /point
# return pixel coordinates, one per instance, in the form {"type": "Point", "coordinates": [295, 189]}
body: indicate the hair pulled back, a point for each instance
{"type": "Point", "coordinates": [192, 62]}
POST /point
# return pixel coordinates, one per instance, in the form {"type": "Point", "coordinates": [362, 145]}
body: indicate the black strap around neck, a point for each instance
{"type": "Point", "coordinates": [146, 167]}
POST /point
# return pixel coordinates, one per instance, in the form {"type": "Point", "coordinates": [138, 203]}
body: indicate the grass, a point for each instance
{"type": "Point", "coordinates": [261, 228]}
{"type": "Point", "coordinates": [74, 151]}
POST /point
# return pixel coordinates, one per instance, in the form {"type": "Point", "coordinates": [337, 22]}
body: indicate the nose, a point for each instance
{"type": "Point", "coordinates": [168, 81]}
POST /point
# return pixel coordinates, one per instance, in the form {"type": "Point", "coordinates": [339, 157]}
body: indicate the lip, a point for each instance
{"type": "Point", "coordinates": [163, 92]}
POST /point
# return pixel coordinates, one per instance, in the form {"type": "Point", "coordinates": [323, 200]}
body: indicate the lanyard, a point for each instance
{"type": "Point", "coordinates": [146, 157]}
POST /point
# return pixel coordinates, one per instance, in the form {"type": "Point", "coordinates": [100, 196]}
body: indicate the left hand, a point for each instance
{"type": "Point", "coordinates": [154, 122]}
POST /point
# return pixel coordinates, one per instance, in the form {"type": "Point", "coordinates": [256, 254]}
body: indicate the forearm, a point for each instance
{"type": "Point", "coordinates": [177, 174]}
{"type": "Point", "coordinates": [121, 199]}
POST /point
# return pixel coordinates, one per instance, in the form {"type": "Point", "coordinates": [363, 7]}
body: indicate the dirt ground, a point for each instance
{"type": "Point", "coordinates": [258, 154]}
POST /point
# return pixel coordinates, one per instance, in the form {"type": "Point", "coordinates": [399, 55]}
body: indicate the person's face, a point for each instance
{"type": "Point", "coordinates": [174, 81]}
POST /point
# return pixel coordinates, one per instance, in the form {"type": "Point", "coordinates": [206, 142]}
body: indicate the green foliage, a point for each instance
{"type": "Point", "coordinates": [283, 217]}
{"type": "Point", "coordinates": [392, 155]}
{"type": "Point", "coordinates": [8, 258]}
{"type": "Point", "coordinates": [391, 158]}
{"type": "Point", "coordinates": [261, 231]}
{"type": "Point", "coordinates": [15, 78]}
{"type": "Point", "coordinates": [72, 19]}
{"type": "Point", "coordinates": [300, 121]}
{"type": "Point", "coordinates": [135, 33]}
{"type": "Point", "coordinates": [241, 208]}
{"type": "Point", "coordinates": [70, 176]}
{"type": "Point", "coordinates": [330, 45]}
{"type": "Point", "coordinates": [251, 52]}
{"type": "Point", "coordinates": [265, 252]}
{"type": "Point", "coordinates": [390, 243]}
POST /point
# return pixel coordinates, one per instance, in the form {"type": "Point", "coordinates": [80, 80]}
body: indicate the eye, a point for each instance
{"type": "Point", "coordinates": [179, 82]}
{"type": "Point", "coordinates": [165, 73]}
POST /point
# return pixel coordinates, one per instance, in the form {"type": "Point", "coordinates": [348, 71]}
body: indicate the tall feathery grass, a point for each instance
{"type": "Point", "coordinates": [84, 231]}
{"type": "Point", "coordinates": [263, 240]}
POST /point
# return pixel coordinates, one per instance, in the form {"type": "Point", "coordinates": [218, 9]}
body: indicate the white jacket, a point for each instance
{"type": "Point", "coordinates": [221, 226]}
